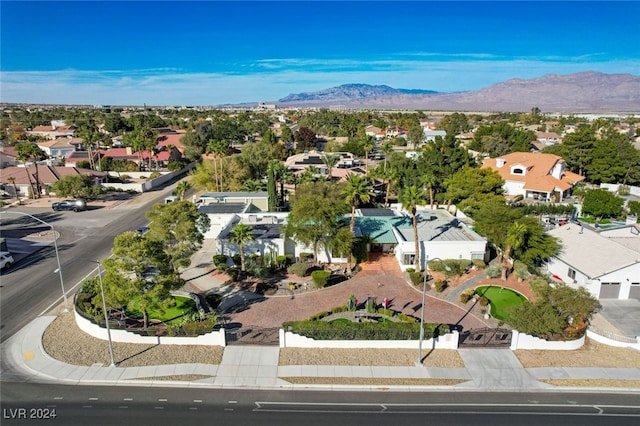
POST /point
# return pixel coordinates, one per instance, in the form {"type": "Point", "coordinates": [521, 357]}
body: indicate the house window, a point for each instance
{"type": "Point", "coordinates": [409, 259]}
{"type": "Point", "coordinates": [572, 274]}
{"type": "Point", "coordinates": [517, 171]}
{"type": "Point", "coordinates": [477, 256]}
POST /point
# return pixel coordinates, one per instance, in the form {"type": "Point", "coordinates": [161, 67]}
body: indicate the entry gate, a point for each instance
{"type": "Point", "coordinates": [485, 338]}
{"type": "Point", "coordinates": [253, 336]}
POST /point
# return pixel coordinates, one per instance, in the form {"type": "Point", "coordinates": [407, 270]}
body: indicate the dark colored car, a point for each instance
{"type": "Point", "coordinates": [75, 205]}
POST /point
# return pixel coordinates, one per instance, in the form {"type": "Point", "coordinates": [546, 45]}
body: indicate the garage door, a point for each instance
{"type": "Point", "coordinates": [635, 291]}
{"type": "Point", "coordinates": [609, 290]}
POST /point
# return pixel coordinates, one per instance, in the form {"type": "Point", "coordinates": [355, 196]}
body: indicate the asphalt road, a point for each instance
{"type": "Point", "coordinates": [98, 405]}
{"type": "Point", "coordinates": [31, 286]}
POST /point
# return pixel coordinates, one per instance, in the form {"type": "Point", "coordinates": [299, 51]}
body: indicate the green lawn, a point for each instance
{"type": "Point", "coordinates": [184, 305]}
{"type": "Point", "coordinates": [501, 299]}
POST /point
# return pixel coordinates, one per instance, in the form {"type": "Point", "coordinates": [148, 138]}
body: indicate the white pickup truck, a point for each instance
{"type": "Point", "coordinates": [6, 260]}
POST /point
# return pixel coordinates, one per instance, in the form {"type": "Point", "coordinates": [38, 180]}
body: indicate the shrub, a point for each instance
{"type": "Point", "coordinates": [385, 312]}
{"type": "Point", "coordinates": [466, 295]}
{"type": "Point", "coordinates": [320, 278]}
{"type": "Point", "coordinates": [281, 261]}
{"type": "Point", "coordinates": [300, 269]}
{"type": "Point", "coordinates": [234, 273]}
{"type": "Point", "coordinates": [417, 278]}
{"type": "Point", "coordinates": [493, 271]}
{"type": "Point", "coordinates": [236, 259]}
{"type": "Point", "coordinates": [154, 175]}
{"type": "Point", "coordinates": [479, 263]}
{"type": "Point", "coordinates": [213, 300]}
{"type": "Point", "coordinates": [440, 285]}
{"type": "Point", "coordinates": [305, 257]}
{"type": "Point", "coordinates": [220, 260]}
{"type": "Point", "coordinates": [518, 265]}
{"type": "Point", "coordinates": [370, 305]}
{"type": "Point", "coordinates": [483, 301]}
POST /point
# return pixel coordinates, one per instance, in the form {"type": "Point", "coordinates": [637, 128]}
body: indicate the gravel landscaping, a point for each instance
{"type": "Point", "coordinates": [64, 341]}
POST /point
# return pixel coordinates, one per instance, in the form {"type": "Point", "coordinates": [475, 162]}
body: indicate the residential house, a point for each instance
{"type": "Point", "coordinates": [396, 132]}
{"type": "Point", "coordinates": [60, 147]}
{"type": "Point", "coordinates": [606, 263]}
{"type": "Point", "coordinates": [534, 175]}
{"type": "Point", "coordinates": [375, 132]}
{"type": "Point", "coordinates": [430, 135]}
{"type": "Point", "coordinates": [47, 176]}
{"type": "Point", "coordinates": [8, 156]}
{"type": "Point", "coordinates": [57, 129]}
{"type": "Point", "coordinates": [257, 201]}
{"type": "Point", "coordinates": [548, 138]}
{"type": "Point", "coordinates": [441, 235]}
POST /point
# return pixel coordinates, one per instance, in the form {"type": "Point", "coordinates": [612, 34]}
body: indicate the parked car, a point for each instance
{"type": "Point", "coordinates": [6, 260]}
{"type": "Point", "coordinates": [77, 205]}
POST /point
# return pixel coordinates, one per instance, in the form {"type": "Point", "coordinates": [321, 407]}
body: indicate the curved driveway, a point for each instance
{"type": "Point", "coordinates": [379, 279]}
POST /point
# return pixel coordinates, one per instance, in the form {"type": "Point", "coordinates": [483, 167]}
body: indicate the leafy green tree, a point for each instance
{"type": "Point", "coordinates": [471, 183]}
{"type": "Point", "coordinates": [501, 138]}
{"type": "Point", "coordinates": [316, 211]}
{"type": "Point", "coordinates": [73, 186]}
{"type": "Point", "coordinates": [357, 190]}
{"type": "Point", "coordinates": [180, 228]}
{"type": "Point", "coordinates": [241, 234]}
{"type": "Point", "coordinates": [271, 186]}
{"type": "Point", "coordinates": [287, 135]}
{"type": "Point", "coordinates": [455, 124]}
{"type": "Point", "coordinates": [415, 134]}
{"type": "Point", "coordinates": [412, 197]}
{"type": "Point", "coordinates": [634, 208]}
{"type": "Point", "coordinates": [538, 319]}
{"type": "Point", "coordinates": [602, 203]}
{"type": "Point", "coordinates": [138, 274]}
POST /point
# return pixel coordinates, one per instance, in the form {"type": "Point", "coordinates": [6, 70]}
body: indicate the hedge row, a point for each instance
{"type": "Point", "coordinates": [324, 330]}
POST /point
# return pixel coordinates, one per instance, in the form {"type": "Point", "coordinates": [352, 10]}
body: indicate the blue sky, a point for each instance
{"type": "Point", "coordinates": [213, 52]}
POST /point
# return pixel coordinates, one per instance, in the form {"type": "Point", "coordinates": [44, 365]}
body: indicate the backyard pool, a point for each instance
{"type": "Point", "coordinates": [501, 299]}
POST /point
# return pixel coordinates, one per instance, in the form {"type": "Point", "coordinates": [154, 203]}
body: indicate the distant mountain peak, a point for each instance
{"type": "Point", "coordinates": [587, 91]}
{"type": "Point", "coordinates": [352, 92]}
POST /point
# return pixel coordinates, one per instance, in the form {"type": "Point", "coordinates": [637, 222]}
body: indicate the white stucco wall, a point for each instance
{"type": "Point", "coordinates": [215, 338]}
{"type": "Point", "coordinates": [524, 341]}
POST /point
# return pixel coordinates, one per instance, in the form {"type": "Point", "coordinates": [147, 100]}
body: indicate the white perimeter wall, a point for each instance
{"type": "Point", "coordinates": [215, 338]}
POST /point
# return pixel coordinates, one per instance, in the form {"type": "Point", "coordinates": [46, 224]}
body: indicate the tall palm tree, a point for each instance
{"type": "Point", "coordinates": [22, 154]}
{"type": "Point", "coordinates": [412, 197]}
{"type": "Point", "coordinates": [181, 188]}
{"type": "Point", "coordinates": [387, 149]}
{"type": "Point", "coordinates": [357, 190]}
{"type": "Point", "coordinates": [241, 234]}
{"type": "Point", "coordinates": [369, 144]}
{"type": "Point", "coordinates": [516, 237]}
{"type": "Point", "coordinates": [330, 160]}
{"type": "Point", "coordinates": [12, 181]}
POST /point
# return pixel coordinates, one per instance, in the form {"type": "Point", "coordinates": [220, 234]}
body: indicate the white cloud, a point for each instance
{"type": "Point", "coordinates": [276, 78]}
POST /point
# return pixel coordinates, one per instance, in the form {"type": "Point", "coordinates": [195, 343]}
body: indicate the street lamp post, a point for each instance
{"type": "Point", "coordinates": [55, 246]}
{"type": "Point", "coordinates": [106, 316]}
{"type": "Point", "coordinates": [104, 304]}
{"type": "Point", "coordinates": [424, 296]}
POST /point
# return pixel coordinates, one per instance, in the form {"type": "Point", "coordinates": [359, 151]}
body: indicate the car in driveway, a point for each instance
{"type": "Point", "coordinates": [76, 205]}
{"type": "Point", "coordinates": [6, 260]}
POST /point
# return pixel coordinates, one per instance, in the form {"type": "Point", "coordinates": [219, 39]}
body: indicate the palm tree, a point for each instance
{"type": "Point", "coordinates": [516, 237]}
{"type": "Point", "coordinates": [12, 181]}
{"type": "Point", "coordinates": [241, 234]}
{"type": "Point", "coordinates": [387, 149]}
{"type": "Point", "coordinates": [411, 198]}
{"type": "Point", "coordinates": [430, 181]}
{"type": "Point", "coordinates": [368, 146]}
{"type": "Point", "coordinates": [181, 188]}
{"type": "Point", "coordinates": [330, 160]}
{"type": "Point", "coordinates": [29, 151]}
{"type": "Point", "coordinates": [357, 190]}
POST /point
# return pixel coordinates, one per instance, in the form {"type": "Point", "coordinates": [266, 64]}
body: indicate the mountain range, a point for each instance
{"type": "Point", "coordinates": [580, 92]}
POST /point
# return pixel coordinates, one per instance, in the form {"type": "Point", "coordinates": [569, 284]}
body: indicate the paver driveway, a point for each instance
{"type": "Point", "coordinates": [381, 278]}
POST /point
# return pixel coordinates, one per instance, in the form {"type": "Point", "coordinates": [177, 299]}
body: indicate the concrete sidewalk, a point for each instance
{"type": "Point", "coordinates": [256, 367]}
